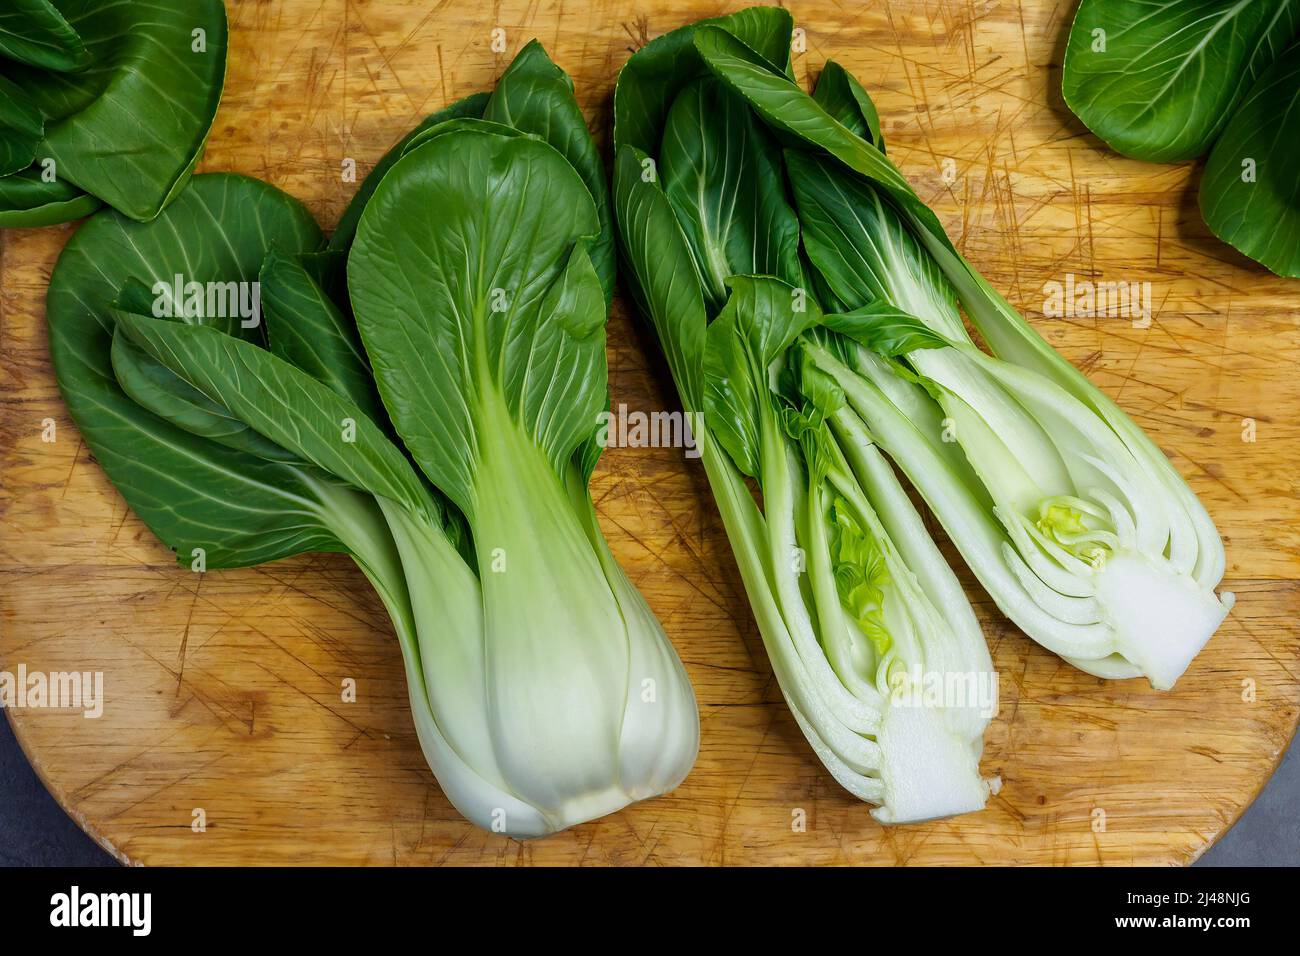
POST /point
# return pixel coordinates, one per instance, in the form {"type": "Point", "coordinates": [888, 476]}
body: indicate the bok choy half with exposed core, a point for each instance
{"type": "Point", "coordinates": [875, 646]}
{"type": "Point", "coordinates": [438, 425]}
{"type": "Point", "coordinates": [1074, 520]}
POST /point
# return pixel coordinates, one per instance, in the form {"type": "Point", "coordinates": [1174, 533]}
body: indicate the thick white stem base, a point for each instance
{"type": "Point", "coordinates": [1161, 619]}
{"type": "Point", "coordinates": [928, 771]}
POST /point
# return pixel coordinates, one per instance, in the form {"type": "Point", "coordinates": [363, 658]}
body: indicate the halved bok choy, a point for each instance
{"type": "Point", "coordinates": [873, 642]}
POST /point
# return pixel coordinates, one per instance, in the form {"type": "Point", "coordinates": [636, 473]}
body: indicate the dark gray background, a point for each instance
{"type": "Point", "coordinates": [34, 830]}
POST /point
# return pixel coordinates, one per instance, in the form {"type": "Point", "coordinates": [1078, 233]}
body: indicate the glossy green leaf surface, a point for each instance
{"type": "Point", "coordinates": [307, 326]}
{"type": "Point", "coordinates": [345, 232]}
{"type": "Point", "coordinates": [651, 80]}
{"type": "Point", "coordinates": [721, 172]}
{"type": "Point", "coordinates": [474, 295]}
{"type": "Point", "coordinates": [1250, 193]}
{"type": "Point", "coordinates": [661, 271]}
{"type": "Point", "coordinates": [472, 124]}
{"type": "Point", "coordinates": [886, 330]}
{"type": "Point", "coordinates": [27, 201]}
{"type": "Point", "coordinates": [1158, 79]}
{"type": "Point", "coordinates": [283, 403]}
{"type": "Point", "coordinates": [36, 33]}
{"type": "Point", "coordinates": [791, 111]}
{"type": "Point", "coordinates": [535, 96]}
{"type": "Point", "coordinates": [864, 250]}
{"type": "Point", "coordinates": [158, 389]}
{"type": "Point", "coordinates": [21, 129]}
{"type": "Point", "coordinates": [130, 127]}
{"type": "Point", "coordinates": [761, 319]}
{"type": "Point", "coordinates": [191, 491]}
{"type": "Point", "coordinates": [843, 97]}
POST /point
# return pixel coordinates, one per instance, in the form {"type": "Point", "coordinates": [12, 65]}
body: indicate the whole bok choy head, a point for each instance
{"type": "Point", "coordinates": [543, 690]}
{"type": "Point", "coordinates": [1075, 522]}
{"type": "Point", "coordinates": [875, 646]}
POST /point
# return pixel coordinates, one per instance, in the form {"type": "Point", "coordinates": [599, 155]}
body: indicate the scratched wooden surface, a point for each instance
{"type": "Point", "coordinates": [223, 689]}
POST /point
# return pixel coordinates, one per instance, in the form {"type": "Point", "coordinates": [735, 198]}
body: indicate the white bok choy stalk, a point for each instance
{"type": "Point", "coordinates": [858, 612]}
{"type": "Point", "coordinates": [1077, 525]}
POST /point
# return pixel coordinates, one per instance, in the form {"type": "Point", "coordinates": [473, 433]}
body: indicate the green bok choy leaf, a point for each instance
{"type": "Point", "coordinates": [1250, 194]}
{"type": "Point", "coordinates": [1166, 80]}
{"type": "Point", "coordinates": [125, 93]}
{"type": "Point", "coordinates": [36, 33]}
{"type": "Point", "coordinates": [1159, 79]}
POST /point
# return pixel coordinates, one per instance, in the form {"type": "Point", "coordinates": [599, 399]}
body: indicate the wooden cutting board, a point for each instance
{"type": "Point", "coordinates": [223, 690]}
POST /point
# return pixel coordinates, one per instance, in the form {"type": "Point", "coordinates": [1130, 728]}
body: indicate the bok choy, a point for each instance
{"type": "Point", "coordinates": [811, 305]}
{"type": "Point", "coordinates": [876, 649]}
{"type": "Point", "coordinates": [443, 438]}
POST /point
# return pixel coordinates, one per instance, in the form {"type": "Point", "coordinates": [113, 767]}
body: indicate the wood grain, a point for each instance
{"type": "Point", "coordinates": [223, 689]}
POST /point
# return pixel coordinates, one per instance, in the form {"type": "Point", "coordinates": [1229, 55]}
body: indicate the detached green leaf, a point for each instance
{"type": "Point", "coordinates": [130, 128]}
{"type": "Point", "coordinates": [1158, 79]}
{"type": "Point", "coordinates": [36, 33]}
{"type": "Point", "coordinates": [1250, 194]}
